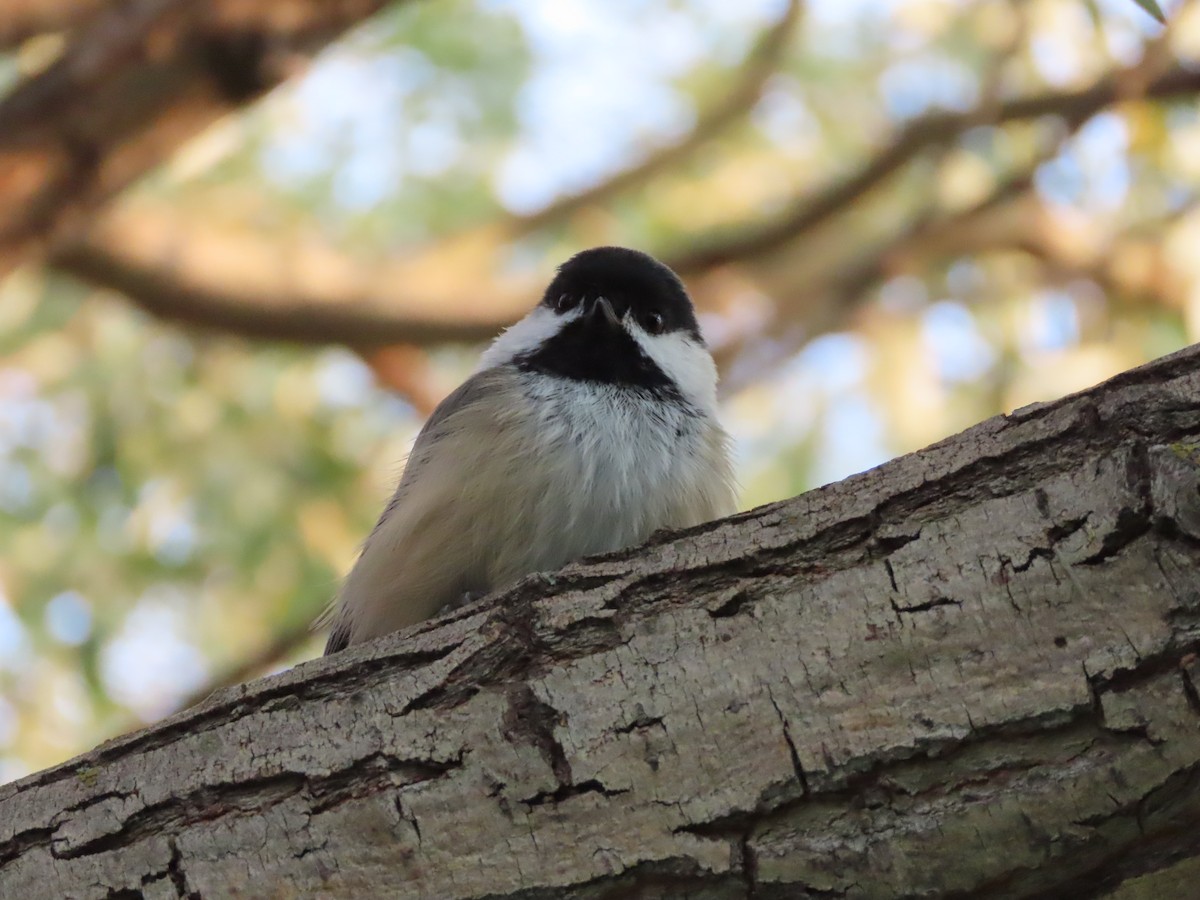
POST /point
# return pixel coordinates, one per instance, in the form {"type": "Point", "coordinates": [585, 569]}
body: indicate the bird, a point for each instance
{"type": "Point", "coordinates": [586, 427]}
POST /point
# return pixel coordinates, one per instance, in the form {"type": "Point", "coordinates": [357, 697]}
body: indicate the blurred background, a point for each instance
{"type": "Point", "coordinates": [898, 218]}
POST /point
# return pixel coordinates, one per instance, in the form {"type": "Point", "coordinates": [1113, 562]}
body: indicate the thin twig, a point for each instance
{"type": "Point", "coordinates": [760, 64]}
{"type": "Point", "coordinates": [811, 210]}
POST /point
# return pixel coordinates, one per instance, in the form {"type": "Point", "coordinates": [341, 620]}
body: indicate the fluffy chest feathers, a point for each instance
{"type": "Point", "coordinates": [580, 469]}
{"type": "Point", "coordinates": [615, 464]}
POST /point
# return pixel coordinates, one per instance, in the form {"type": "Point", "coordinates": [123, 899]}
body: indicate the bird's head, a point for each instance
{"type": "Point", "coordinates": [618, 317]}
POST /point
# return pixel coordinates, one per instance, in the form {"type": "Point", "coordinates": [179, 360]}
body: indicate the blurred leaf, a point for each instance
{"type": "Point", "coordinates": [1153, 9]}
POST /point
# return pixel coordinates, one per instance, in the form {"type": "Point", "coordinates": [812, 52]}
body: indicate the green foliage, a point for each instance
{"type": "Point", "coordinates": [211, 487]}
{"type": "Point", "coordinates": [1153, 9]}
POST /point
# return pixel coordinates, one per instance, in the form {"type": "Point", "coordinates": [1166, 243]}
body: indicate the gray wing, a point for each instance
{"type": "Point", "coordinates": [442, 423]}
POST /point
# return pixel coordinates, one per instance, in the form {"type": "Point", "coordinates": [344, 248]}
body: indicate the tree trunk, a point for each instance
{"type": "Point", "coordinates": [970, 671]}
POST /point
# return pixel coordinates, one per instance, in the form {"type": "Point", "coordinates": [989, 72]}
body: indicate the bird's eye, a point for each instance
{"type": "Point", "coordinates": [563, 303]}
{"type": "Point", "coordinates": [654, 323]}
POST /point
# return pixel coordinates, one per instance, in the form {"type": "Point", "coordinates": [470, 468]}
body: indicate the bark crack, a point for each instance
{"type": "Point", "coordinates": [1131, 524]}
{"type": "Point", "coordinates": [566, 791]}
{"type": "Point", "coordinates": [797, 766]}
{"type": "Point", "coordinates": [531, 720]}
{"type": "Point", "coordinates": [254, 796]}
{"type": "Point", "coordinates": [1189, 685]}
{"type": "Point", "coordinates": [178, 876]}
{"type": "Point", "coordinates": [925, 606]}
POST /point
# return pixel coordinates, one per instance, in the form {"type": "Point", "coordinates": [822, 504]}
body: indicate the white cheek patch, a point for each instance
{"type": "Point", "coordinates": [683, 360]}
{"type": "Point", "coordinates": [525, 336]}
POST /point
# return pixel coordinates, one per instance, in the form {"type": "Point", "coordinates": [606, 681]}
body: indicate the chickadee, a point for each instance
{"type": "Point", "coordinates": [587, 426]}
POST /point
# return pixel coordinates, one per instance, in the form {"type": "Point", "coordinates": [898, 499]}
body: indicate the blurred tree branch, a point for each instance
{"type": "Point", "coordinates": [151, 262]}
{"type": "Point", "coordinates": [182, 270]}
{"type": "Point", "coordinates": [23, 19]}
{"type": "Point", "coordinates": [1000, 220]}
{"type": "Point", "coordinates": [127, 90]}
{"type": "Point", "coordinates": [811, 210]}
{"type": "Point", "coordinates": [760, 64]}
{"type": "Point", "coordinates": [1011, 218]}
{"type": "Point", "coordinates": [257, 288]}
{"type": "Point", "coordinates": [824, 306]}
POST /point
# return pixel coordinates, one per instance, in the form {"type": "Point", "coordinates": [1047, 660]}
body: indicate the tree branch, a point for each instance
{"type": "Point", "coordinates": [864, 690]}
{"type": "Point", "coordinates": [761, 63]}
{"type": "Point", "coordinates": [23, 19]}
{"type": "Point", "coordinates": [241, 284]}
{"type": "Point", "coordinates": [301, 291]}
{"type": "Point", "coordinates": [127, 256]}
{"type": "Point", "coordinates": [808, 212]}
{"type": "Point", "coordinates": [818, 307]}
{"type": "Point", "coordinates": [145, 76]}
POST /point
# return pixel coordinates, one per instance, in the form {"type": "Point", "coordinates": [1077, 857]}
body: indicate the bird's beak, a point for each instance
{"type": "Point", "coordinates": [603, 308]}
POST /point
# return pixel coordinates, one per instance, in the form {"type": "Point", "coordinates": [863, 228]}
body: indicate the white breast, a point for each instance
{"type": "Point", "coordinates": [615, 466]}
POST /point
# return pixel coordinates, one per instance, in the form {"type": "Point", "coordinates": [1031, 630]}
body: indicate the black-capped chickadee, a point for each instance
{"type": "Point", "coordinates": [587, 426]}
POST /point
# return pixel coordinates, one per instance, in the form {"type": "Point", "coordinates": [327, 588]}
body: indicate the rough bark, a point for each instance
{"type": "Point", "coordinates": [971, 671]}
